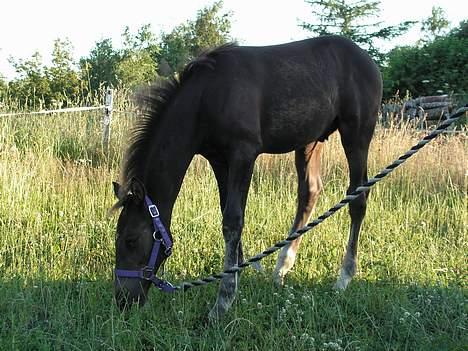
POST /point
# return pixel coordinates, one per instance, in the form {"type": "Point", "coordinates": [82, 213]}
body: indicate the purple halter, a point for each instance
{"type": "Point", "coordinates": [147, 272]}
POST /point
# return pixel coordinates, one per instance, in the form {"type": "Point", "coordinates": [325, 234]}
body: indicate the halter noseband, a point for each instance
{"type": "Point", "coordinates": [147, 272]}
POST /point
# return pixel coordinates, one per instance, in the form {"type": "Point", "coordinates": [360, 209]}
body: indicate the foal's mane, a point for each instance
{"type": "Point", "coordinates": [153, 102]}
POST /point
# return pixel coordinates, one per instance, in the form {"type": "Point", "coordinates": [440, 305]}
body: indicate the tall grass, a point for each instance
{"type": "Point", "coordinates": [57, 250]}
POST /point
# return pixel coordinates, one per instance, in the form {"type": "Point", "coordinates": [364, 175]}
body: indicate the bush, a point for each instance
{"type": "Point", "coordinates": [435, 68]}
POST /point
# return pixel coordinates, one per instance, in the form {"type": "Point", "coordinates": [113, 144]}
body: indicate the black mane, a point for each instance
{"type": "Point", "coordinates": [152, 103]}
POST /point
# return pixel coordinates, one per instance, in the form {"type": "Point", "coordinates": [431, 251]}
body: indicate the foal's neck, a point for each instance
{"type": "Point", "coordinates": [172, 149]}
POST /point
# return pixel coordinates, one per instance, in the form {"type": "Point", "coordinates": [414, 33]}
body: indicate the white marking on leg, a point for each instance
{"type": "Point", "coordinates": [347, 271]}
{"type": "Point", "coordinates": [343, 280]}
{"type": "Point", "coordinates": [285, 262]}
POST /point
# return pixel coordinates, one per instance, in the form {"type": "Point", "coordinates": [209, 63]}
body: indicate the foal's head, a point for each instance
{"type": "Point", "coordinates": [133, 244]}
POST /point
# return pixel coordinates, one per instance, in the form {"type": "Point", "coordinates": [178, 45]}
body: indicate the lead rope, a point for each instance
{"type": "Point", "coordinates": [350, 197]}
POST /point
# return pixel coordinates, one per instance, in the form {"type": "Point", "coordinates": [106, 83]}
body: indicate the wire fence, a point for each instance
{"type": "Point", "coordinates": [107, 109]}
{"type": "Point", "coordinates": [46, 112]}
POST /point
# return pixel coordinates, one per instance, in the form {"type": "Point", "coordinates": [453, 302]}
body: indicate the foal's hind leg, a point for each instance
{"type": "Point", "coordinates": [309, 186]}
{"type": "Point", "coordinates": [356, 146]}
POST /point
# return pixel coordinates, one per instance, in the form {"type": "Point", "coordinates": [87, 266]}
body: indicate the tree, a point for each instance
{"type": "Point", "coordinates": [136, 68]}
{"type": "Point", "coordinates": [135, 64]}
{"type": "Point", "coordinates": [436, 24]}
{"type": "Point", "coordinates": [39, 86]}
{"type": "Point", "coordinates": [3, 90]}
{"type": "Point", "coordinates": [144, 39]}
{"type": "Point", "coordinates": [350, 19]}
{"type": "Point", "coordinates": [211, 28]}
{"type": "Point", "coordinates": [2, 82]}
{"type": "Point", "coordinates": [100, 67]}
{"type": "Point", "coordinates": [32, 88]}
{"type": "Point", "coordinates": [63, 79]}
{"type": "Point", "coordinates": [175, 50]}
{"type": "Point", "coordinates": [461, 31]}
{"type": "Point", "coordinates": [138, 58]}
{"type": "Point", "coordinates": [437, 67]}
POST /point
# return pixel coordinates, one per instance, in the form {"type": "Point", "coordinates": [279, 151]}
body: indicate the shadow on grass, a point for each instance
{"type": "Point", "coordinates": [381, 315]}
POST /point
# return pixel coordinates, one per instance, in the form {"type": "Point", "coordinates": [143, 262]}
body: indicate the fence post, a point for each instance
{"type": "Point", "coordinates": [106, 125]}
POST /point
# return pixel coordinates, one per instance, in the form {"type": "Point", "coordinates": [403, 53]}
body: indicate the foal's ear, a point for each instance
{"type": "Point", "coordinates": [137, 189]}
{"type": "Point", "coordinates": [117, 188]}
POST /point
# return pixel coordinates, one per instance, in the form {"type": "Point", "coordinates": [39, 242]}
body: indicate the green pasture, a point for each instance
{"type": "Point", "coordinates": [57, 250]}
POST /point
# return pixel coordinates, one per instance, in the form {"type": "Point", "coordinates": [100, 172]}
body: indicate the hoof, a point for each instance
{"type": "Point", "coordinates": [342, 281]}
{"type": "Point", "coordinates": [278, 279]}
{"type": "Point", "coordinates": [220, 308]}
{"type": "Point", "coordinates": [284, 264]}
{"type": "Point", "coordinates": [216, 313]}
{"type": "Point", "coordinates": [258, 267]}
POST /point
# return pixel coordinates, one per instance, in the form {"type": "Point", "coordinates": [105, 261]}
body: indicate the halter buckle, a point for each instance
{"type": "Point", "coordinates": [153, 210]}
{"type": "Point", "coordinates": [147, 273]}
{"type": "Point", "coordinates": [168, 251]}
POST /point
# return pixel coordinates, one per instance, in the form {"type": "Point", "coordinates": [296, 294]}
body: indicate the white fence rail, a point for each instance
{"type": "Point", "coordinates": [46, 112]}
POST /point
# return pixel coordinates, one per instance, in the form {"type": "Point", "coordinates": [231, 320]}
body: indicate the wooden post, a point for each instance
{"type": "Point", "coordinates": [106, 124]}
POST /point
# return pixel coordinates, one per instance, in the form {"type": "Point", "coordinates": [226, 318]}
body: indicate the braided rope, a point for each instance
{"type": "Point", "coordinates": [350, 197]}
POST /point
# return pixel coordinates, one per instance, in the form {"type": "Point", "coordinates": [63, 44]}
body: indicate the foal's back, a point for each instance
{"type": "Point", "coordinates": [285, 96]}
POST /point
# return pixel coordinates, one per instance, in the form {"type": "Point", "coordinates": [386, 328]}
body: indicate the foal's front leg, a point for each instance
{"type": "Point", "coordinates": [240, 174]}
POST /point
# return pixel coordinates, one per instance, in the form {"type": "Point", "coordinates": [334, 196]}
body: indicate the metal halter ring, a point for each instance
{"type": "Point", "coordinates": [154, 236]}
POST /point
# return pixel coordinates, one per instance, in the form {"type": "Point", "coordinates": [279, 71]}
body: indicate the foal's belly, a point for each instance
{"type": "Point", "coordinates": [294, 123]}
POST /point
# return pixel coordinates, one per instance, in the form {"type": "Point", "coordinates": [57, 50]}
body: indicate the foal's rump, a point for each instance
{"type": "Point", "coordinates": [289, 95]}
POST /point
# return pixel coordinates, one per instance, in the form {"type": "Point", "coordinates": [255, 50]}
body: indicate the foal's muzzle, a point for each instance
{"type": "Point", "coordinates": [129, 292]}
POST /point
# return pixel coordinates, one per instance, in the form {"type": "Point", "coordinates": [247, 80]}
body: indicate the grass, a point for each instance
{"type": "Point", "coordinates": [57, 250]}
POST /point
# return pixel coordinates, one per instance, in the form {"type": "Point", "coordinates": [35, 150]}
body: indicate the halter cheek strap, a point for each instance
{"type": "Point", "coordinates": [158, 226]}
{"type": "Point", "coordinates": [147, 272]}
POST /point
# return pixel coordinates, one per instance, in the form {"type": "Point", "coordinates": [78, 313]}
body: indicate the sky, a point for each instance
{"type": "Point", "coordinates": [27, 26]}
